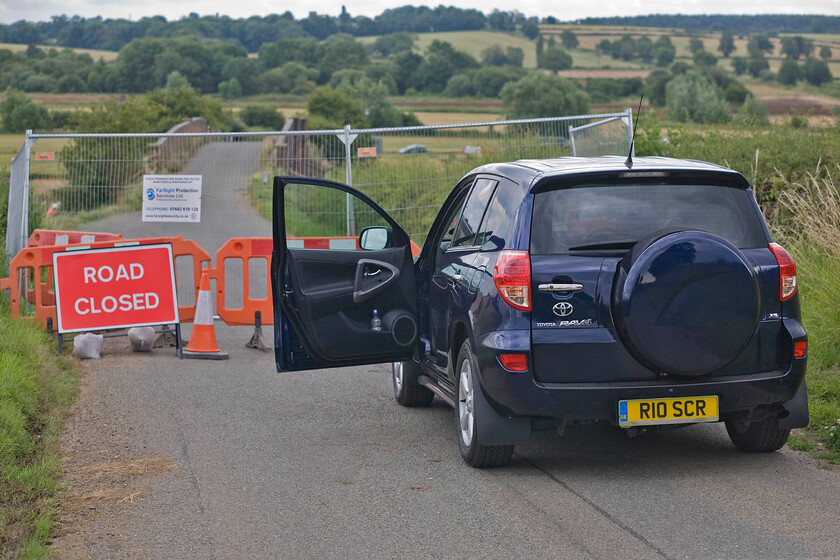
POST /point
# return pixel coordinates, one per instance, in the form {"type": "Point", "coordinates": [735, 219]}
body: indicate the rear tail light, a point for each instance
{"type": "Point", "coordinates": [514, 362]}
{"type": "Point", "coordinates": [800, 349]}
{"type": "Point", "coordinates": [787, 272]}
{"type": "Point", "coordinates": [512, 276]}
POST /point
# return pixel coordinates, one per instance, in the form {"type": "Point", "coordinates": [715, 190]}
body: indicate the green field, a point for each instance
{"type": "Point", "coordinates": [94, 54]}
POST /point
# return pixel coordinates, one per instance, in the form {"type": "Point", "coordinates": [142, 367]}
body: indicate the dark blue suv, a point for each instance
{"type": "Point", "coordinates": [550, 293]}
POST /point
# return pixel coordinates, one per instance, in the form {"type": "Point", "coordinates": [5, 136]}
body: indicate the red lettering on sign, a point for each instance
{"type": "Point", "coordinates": [115, 288]}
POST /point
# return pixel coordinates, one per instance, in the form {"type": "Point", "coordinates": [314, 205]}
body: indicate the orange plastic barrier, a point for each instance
{"type": "Point", "coordinates": [45, 237]}
{"type": "Point", "coordinates": [30, 276]}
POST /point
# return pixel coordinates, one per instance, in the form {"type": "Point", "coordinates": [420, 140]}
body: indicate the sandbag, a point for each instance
{"type": "Point", "coordinates": [141, 338]}
{"type": "Point", "coordinates": [87, 346]}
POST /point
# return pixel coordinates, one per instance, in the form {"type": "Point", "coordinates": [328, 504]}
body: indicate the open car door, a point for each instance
{"type": "Point", "coordinates": [338, 261]}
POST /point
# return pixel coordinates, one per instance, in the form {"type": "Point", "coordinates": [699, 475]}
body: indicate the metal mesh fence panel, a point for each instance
{"type": "Point", "coordinates": [16, 217]}
{"type": "Point", "coordinates": [610, 136]}
{"type": "Point", "coordinates": [96, 179]}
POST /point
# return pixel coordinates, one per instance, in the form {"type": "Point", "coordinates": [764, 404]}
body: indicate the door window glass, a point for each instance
{"type": "Point", "coordinates": [322, 217]}
{"type": "Point", "coordinates": [473, 213]}
{"type": "Point", "coordinates": [495, 228]}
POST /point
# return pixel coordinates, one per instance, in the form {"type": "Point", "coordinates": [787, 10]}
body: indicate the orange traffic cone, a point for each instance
{"type": "Point", "coordinates": [203, 340]}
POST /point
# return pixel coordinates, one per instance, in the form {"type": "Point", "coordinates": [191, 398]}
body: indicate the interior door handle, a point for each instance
{"type": "Point", "coordinates": [560, 287]}
{"type": "Point", "coordinates": [376, 272]}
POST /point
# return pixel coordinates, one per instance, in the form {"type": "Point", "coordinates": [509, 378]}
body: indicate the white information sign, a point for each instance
{"type": "Point", "coordinates": [171, 198]}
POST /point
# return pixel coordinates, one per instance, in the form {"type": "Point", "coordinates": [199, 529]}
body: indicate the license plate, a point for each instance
{"type": "Point", "coordinates": [683, 410]}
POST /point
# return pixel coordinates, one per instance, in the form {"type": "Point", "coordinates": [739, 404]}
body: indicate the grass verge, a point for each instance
{"type": "Point", "coordinates": [810, 226]}
{"type": "Point", "coordinates": [36, 389]}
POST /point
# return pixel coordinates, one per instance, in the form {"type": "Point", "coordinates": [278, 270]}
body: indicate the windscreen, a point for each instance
{"type": "Point", "coordinates": [614, 217]}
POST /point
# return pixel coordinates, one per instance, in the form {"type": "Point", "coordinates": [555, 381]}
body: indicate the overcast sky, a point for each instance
{"type": "Point", "coordinates": [42, 10]}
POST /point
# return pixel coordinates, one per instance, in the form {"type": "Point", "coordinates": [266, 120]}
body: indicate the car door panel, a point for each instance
{"type": "Point", "coordinates": [324, 299]}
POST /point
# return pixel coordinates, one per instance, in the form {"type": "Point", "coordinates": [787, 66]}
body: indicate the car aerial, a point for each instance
{"type": "Point", "coordinates": [555, 292]}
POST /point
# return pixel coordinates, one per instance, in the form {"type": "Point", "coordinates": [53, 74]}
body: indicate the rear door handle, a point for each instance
{"type": "Point", "coordinates": [560, 287]}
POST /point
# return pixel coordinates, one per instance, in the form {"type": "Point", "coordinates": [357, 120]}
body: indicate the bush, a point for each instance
{"type": "Point", "coordinates": [691, 96]}
{"type": "Point", "coordinates": [753, 112]}
{"type": "Point", "coordinates": [816, 71]}
{"type": "Point", "coordinates": [555, 58]}
{"type": "Point", "coordinates": [541, 95]}
{"type": "Point", "coordinates": [230, 89]}
{"type": "Point", "coordinates": [735, 93]}
{"type": "Point", "coordinates": [459, 85]}
{"type": "Point", "coordinates": [789, 73]}
{"type": "Point", "coordinates": [265, 117]}
{"type": "Point", "coordinates": [20, 113]}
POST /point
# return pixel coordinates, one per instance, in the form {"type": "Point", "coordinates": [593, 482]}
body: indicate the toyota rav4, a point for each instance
{"type": "Point", "coordinates": [550, 293]}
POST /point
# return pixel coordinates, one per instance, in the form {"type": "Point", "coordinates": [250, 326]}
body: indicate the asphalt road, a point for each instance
{"type": "Point", "coordinates": [325, 464]}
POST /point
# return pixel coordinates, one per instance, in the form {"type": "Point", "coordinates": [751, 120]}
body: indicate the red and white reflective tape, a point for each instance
{"type": "Point", "coordinates": [333, 243]}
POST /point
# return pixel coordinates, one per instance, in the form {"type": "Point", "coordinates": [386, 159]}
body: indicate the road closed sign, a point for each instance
{"type": "Point", "coordinates": [115, 288]}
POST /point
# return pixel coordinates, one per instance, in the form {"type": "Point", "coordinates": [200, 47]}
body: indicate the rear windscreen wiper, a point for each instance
{"type": "Point", "coordinates": [605, 245]}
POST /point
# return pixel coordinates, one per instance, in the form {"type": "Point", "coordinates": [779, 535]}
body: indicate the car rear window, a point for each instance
{"type": "Point", "coordinates": [601, 216]}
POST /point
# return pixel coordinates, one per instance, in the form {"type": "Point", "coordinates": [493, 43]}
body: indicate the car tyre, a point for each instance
{"type": "Point", "coordinates": [473, 453]}
{"type": "Point", "coordinates": [758, 437]}
{"type": "Point", "coordinates": [407, 391]}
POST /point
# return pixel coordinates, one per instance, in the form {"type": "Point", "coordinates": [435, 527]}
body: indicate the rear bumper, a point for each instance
{"type": "Point", "coordinates": [519, 394]}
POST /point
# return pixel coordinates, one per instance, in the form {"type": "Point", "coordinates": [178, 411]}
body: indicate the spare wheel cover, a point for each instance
{"type": "Point", "coordinates": [687, 303]}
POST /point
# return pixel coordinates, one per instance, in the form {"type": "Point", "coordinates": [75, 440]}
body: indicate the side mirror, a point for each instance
{"type": "Point", "coordinates": [374, 238]}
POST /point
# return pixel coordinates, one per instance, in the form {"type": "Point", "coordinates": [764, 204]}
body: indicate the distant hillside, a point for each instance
{"type": "Point", "coordinates": [767, 24]}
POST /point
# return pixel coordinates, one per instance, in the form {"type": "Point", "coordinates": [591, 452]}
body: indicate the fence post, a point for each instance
{"type": "Point", "coordinates": [628, 120]}
{"type": "Point", "coordinates": [348, 141]}
{"type": "Point", "coordinates": [17, 215]}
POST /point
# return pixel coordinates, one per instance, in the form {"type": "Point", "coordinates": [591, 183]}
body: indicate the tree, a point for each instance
{"type": "Point", "coordinates": [645, 49]}
{"type": "Point", "coordinates": [531, 29]}
{"type": "Point", "coordinates": [664, 56]}
{"type": "Point", "coordinates": [825, 52]}
{"type": "Point", "coordinates": [739, 65]}
{"type": "Point", "coordinates": [760, 44]}
{"type": "Point", "coordinates": [816, 71]}
{"type": "Point", "coordinates": [386, 45]}
{"type": "Point", "coordinates": [501, 21]}
{"type": "Point", "coordinates": [692, 96]}
{"type": "Point", "coordinates": [373, 97]}
{"type": "Point", "coordinates": [230, 89]}
{"type": "Point", "coordinates": [266, 117]}
{"type": "Point", "coordinates": [704, 58]}
{"type": "Point", "coordinates": [459, 85]}
{"type": "Point", "coordinates": [789, 72]}
{"type": "Point", "coordinates": [727, 44]}
{"type": "Point", "coordinates": [604, 47]}
{"type": "Point", "coordinates": [569, 39]}
{"type": "Point", "coordinates": [544, 95]}
{"type": "Point", "coordinates": [665, 51]}
{"type": "Point", "coordinates": [488, 81]}
{"type": "Point", "coordinates": [655, 87]}
{"type": "Point", "coordinates": [695, 44]}
{"type": "Point", "coordinates": [540, 46]}
{"type": "Point", "coordinates": [442, 62]}
{"type": "Point", "coordinates": [757, 65]}
{"type": "Point", "coordinates": [336, 108]}
{"type": "Point", "coordinates": [20, 113]}
{"type": "Point", "coordinates": [555, 58]}
{"type": "Point", "coordinates": [797, 46]}
{"type": "Point", "coordinates": [493, 56]}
